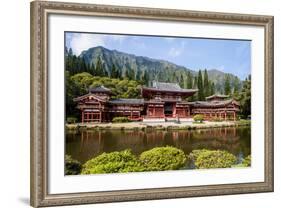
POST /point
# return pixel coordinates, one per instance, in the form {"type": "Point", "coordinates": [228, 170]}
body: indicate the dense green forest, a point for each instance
{"type": "Point", "coordinates": [89, 70]}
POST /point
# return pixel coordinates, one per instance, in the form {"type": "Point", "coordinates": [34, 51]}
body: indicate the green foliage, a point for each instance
{"type": "Point", "coordinates": [72, 167]}
{"type": "Point", "coordinates": [163, 158]}
{"type": "Point", "coordinates": [114, 72]}
{"type": "Point", "coordinates": [200, 86]}
{"type": "Point", "coordinates": [204, 159]}
{"type": "Point", "coordinates": [206, 84]}
{"type": "Point", "coordinates": [189, 80]}
{"type": "Point", "coordinates": [74, 64]}
{"type": "Point", "coordinates": [247, 161]}
{"type": "Point", "coordinates": [114, 162]}
{"type": "Point", "coordinates": [236, 86]}
{"type": "Point", "coordinates": [73, 89]}
{"type": "Point", "coordinates": [120, 88]}
{"type": "Point", "coordinates": [198, 118]}
{"type": "Point", "coordinates": [195, 153]}
{"type": "Point", "coordinates": [181, 81]}
{"type": "Point", "coordinates": [120, 120]}
{"type": "Point", "coordinates": [227, 87]}
{"type": "Point", "coordinates": [146, 78]}
{"type": "Point", "coordinates": [244, 98]}
{"type": "Point", "coordinates": [71, 120]}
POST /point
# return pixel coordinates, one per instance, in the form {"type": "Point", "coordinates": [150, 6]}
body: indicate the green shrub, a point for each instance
{"type": "Point", "coordinates": [204, 159]}
{"type": "Point", "coordinates": [239, 165]}
{"type": "Point", "coordinates": [114, 162]}
{"type": "Point", "coordinates": [247, 161]}
{"type": "Point", "coordinates": [72, 167]}
{"type": "Point", "coordinates": [120, 120]}
{"type": "Point", "coordinates": [163, 158]}
{"type": "Point", "coordinates": [71, 120]}
{"type": "Point", "coordinates": [198, 118]}
{"type": "Point", "coordinates": [195, 153]}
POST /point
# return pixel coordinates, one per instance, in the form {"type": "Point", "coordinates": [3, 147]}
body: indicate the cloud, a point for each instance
{"type": "Point", "coordinates": [177, 51]}
{"type": "Point", "coordinates": [174, 52]}
{"type": "Point", "coordinates": [82, 41]}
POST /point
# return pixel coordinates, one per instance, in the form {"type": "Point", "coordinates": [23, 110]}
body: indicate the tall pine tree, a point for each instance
{"type": "Point", "coordinates": [227, 87]}
{"type": "Point", "coordinates": [189, 80]}
{"type": "Point", "coordinates": [200, 86]}
{"type": "Point", "coordinates": [99, 67]}
{"type": "Point", "coordinates": [245, 98]}
{"type": "Point", "coordinates": [212, 88]}
{"type": "Point", "coordinates": [114, 72]}
{"type": "Point", "coordinates": [146, 78]}
{"type": "Point", "coordinates": [206, 84]}
{"type": "Point", "coordinates": [181, 81]}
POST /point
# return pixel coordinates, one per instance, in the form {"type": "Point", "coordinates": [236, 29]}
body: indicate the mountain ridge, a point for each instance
{"type": "Point", "coordinates": [157, 69]}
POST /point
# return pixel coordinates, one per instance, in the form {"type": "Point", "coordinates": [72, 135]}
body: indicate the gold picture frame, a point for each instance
{"type": "Point", "coordinates": [39, 103]}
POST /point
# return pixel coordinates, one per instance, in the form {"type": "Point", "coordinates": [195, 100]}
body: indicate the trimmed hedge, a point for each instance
{"type": "Point", "coordinates": [71, 120]}
{"type": "Point", "coordinates": [159, 159]}
{"type": "Point", "coordinates": [120, 120]}
{"type": "Point", "coordinates": [114, 162]}
{"type": "Point", "coordinates": [163, 158]}
{"type": "Point", "coordinates": [72, 167]}
{"type": "Point", "coordinates": [195, 153]}
{"type": "Point", "coordinates": [204, 159]}
{"type": "Point", "coordinates": [198, 118]}
{"type": "Point", "coordinates": [247, 161]}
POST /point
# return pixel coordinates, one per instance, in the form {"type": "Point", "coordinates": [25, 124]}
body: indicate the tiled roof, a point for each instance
{"type": "Point", "coordinates": [212, 104]}
{"type": "Point", "coordinates": [216, 96]}
{"type": "Point", "coordinates": [126, 101]}
{"type": "Point", "coordinates": [88, 95]}
{"type": "Point", "coordinates": [171, 87]}
{"type": "Point", "coordinates": [166, 86]}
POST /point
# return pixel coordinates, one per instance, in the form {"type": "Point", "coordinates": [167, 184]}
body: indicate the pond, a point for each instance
{"type": "Point", "coordinates": [86, 144]}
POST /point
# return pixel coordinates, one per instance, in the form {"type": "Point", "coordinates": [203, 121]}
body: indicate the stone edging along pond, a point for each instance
{"type": "Point", "coordinates": [156, 126]}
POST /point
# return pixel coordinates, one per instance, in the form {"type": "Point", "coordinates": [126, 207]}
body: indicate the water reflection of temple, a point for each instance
{"type": "Point", "coordinates": [87, 144]}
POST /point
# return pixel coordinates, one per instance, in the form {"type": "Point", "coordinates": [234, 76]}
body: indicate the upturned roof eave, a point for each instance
{"type": "Point", "coordinates": [173, 91]}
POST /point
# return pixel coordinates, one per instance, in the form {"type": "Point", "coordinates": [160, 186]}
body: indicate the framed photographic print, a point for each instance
{"type": "Point", "coordinates": [140, 103]}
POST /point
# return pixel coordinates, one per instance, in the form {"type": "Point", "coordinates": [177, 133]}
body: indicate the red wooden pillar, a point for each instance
{"type": "Point", "coordinates": [153, 114]}
{"type": "Point", "coordinates": [174, 110]}
{"type": "Point", "coordinates": [234, 116]}
{"type": "Point", "coordinates": [100, 117]}
{"type": "Point", "coordinates": [82, 116]}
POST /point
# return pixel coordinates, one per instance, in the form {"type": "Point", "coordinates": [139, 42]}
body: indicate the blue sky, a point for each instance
{"type": "Point", "coordinates": [230, 56]}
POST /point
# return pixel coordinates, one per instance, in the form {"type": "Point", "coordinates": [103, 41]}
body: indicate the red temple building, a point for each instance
{"type": "Point", "coordinates": [166, 101]}
{"type": "Point", "coordinates": [161, 102]}
{"type": "Point", "coordinates": [216, 107]}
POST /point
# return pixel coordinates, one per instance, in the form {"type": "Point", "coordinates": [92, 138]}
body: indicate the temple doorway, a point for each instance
{"type": "Point", "coordinates": [168, 109]}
